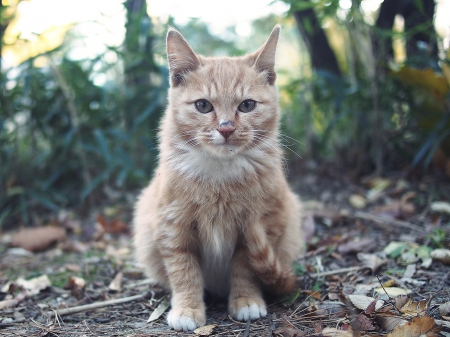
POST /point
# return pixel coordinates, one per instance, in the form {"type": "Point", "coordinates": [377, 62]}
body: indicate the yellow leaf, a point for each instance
{"type": "Point", "coordinates": [419, 327]}
{"type": "Point", "coordinates": [392, 291]}
{"type": "Point", "coordinates": [426, 78]}
{"type": "Point", "coordinates": [205, 330]}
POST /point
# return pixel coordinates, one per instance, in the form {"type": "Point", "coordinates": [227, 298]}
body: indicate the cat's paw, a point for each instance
{"type": "Point", "coordinates": [185, 319]}
{"type": "Point", "coordinates": [243, 309]}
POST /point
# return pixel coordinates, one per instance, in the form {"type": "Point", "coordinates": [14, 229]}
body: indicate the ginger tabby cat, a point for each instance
{"type": "Point", "coordinates": [219, 214]}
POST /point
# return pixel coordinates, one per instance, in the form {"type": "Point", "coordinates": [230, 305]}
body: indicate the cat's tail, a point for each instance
{"type": "Point", "coordinates": [276, 276]}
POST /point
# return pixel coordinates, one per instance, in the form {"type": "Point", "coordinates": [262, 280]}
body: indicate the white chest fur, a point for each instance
{"type": "Point", "coordinates": [217, 254]}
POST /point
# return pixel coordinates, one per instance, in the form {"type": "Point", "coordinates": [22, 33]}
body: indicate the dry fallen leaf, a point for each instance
{"type": "Point", "coordinates": [162, 307]}
{"type": "Point", "coordinates": [419, 327]}
{"type": "Point", "coordinates": [9, 303]}
{"type": "Point", "coordinates": [357, 201]}
{"type": "Point", "coordinates": [116, 283]}
{"type": "Point", "coordinates": [440, 206]}
{"type": "Point", "coordinates": [76, 286]}
{"type": "Point", "coordinates": [414, 309]}
{"type": "Point", "coordinates": [333, 332]}
{"type": "Point", "coordinates": [35, 285]}
{"type": "Point", "coordinates": [75, 281]}
{"type": "Point", "coordinates": [205, 330]}
{"type": "Point", "coordinates": [388, 321]}
{"type": "Point", "coordinates": [371, 261]}
{"type": "Point", "coordinates": [442, 255]}
{"type": "Point", "coordinates": [72, 267]}
{"type": "Point", "coordinates": [356, 246]}
{"type": "Point", "coordinates": [392, 291]}
{"type": "Point", "coordinates": [38, 239]}
{"type": "Point", "coordinates": [362, 323]}
{"type": "Point", "coordinates": [444, 311]}
{"type": "Point", "coordinates": [400, 301]}
{"type": "Point", "coordinates": [363, 302]}
{"type": "Point", "coordinates": [395, 210]}
{"type": "Point", "coordinates": [288, 330]}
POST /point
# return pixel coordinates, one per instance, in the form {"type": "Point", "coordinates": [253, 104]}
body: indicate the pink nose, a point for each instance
{"type": "Point", "coordinates": [226, 129]}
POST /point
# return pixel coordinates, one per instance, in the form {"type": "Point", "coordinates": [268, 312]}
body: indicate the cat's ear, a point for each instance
{"type": "Point", "coordinates": [265, 56]}
{"type": "Point", "coordinates": [182, 58]}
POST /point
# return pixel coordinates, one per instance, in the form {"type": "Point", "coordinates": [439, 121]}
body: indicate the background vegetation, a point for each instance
{"type": "Point", "coordinates": [367, 94]}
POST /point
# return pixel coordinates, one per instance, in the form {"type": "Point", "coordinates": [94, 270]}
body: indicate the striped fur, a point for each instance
{"type": "Point", "coordinates": [219, 214]}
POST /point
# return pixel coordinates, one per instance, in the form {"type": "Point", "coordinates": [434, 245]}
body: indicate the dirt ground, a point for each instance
{"type": "Point", "coordinates": [373, 238]}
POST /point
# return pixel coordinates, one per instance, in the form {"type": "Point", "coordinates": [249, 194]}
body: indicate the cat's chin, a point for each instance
{"type": "Point", "coordinates": [225, 150]}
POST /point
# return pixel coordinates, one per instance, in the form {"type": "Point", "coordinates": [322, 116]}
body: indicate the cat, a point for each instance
{"type": "Point", "coordinates": [219, 214]}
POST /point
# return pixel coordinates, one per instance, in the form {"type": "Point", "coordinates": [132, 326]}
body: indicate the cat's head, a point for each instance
{"type": "Point", "coordinates": [223, 105]}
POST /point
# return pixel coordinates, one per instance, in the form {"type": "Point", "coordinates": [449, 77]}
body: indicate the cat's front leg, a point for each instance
{"type": "Point", "coordinates": [186, 282]}
{"type": "Point", "coordinates": [245, 301]}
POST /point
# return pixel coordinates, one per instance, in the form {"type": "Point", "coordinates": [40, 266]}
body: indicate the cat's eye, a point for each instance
{"type": "Point", "coordinates": [247, 106]}
{"type": "Point", "coordinates": [203, 106]}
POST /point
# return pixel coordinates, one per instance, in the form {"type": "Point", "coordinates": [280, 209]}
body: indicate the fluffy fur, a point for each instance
{"type": "Point", "coordinates": [219, 214]}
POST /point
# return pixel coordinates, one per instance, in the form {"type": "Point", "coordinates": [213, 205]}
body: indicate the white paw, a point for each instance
{"type": "Point", "coordinates": [186, 319]}
{"type": "Point", "coordinates": [251, 311]}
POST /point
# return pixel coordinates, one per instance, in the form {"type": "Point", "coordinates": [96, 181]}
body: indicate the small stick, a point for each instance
{"type": "Point", "coordinates": [383, 220]}
{"type": "Point", "coordinates": [247, 329]}
{"type": "Point", "coordinates": [139, 283]}
{"type": "Point", "coordinates": [96, 305]}
{"type": "Point", "coordinates": [337, 271]}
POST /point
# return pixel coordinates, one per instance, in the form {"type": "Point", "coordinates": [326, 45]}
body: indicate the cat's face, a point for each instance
{"type": "Point", "coordinates": [224, 106]}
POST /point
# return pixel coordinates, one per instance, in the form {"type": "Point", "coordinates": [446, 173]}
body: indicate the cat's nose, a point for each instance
{"type": "Point", "coordinates": [226, 129]}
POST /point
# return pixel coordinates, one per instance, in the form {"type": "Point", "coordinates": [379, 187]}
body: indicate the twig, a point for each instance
{"type": "Point", "coordinates": [337, 271]}
{"type": "Point", "coordinates": [247, 329]}
{"type": "Point", "coordinates": [81, 308]}
{"type": "Point", "coordinates": [383, 220]}
{"type": "Point", "coordinates": [139, 283]}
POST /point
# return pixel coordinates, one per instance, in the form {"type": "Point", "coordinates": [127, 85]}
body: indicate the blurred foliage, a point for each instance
{"type": "Point", "coordinates": [72, 132]}
{"type": "Point", "coordinates": [64, 137]}
{"type": "Point", "coordinates": [378, 115]}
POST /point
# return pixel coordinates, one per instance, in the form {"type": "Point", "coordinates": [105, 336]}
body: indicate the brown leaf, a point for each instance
{"type": "Point", "coordinates": [396, 209]}
{"type": "Point", "coordinates": [288, 330]}
{"type": "Point", "coordinates": [356, 246]}
{"type": "Point", "coordinates": [413, 308]}
{"type": "Point", "coordinates": [419, 327]}
{"type": "Point", "coordinates": [361, 323]}
{"type": "Point", "coordinates": [314, 294]}
{"type": "Point", "coordinates": [114, 226]}
{"type": "Point", "coordinates": [372, 306]}
{"type": "Point", "coordinates": [13, 302]}
{"type": "Point", "coordinates": [76, 286]}
{"type": "Point", "coordinates": [400, 301]}
{"type": "Point", "coordinates": [38, 239]}
{"type": "Point", "coordinates": [75, 282]}
{"type": "Point", "coordinates": [388, 321]}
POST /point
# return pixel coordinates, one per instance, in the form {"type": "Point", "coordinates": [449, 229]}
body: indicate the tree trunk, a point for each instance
{"type": "Point", "coordinates": [383, 42]}
{"type": "Point", "coordinates": [420, 35]}
{"type": "Point", "coordinates": [418, 17]}
{"type": "Point", "coordinates": [322, 56]}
